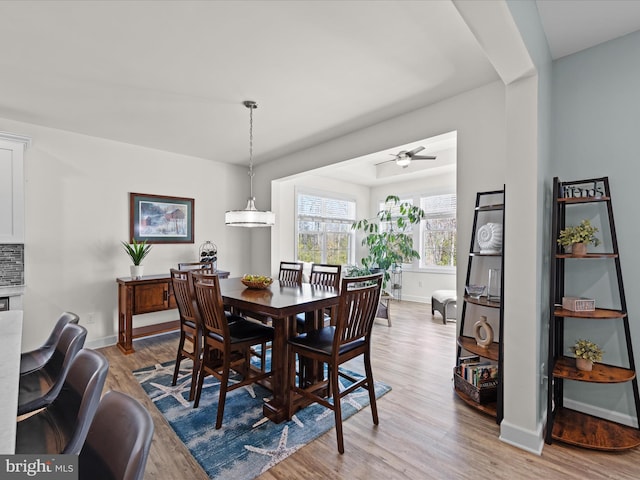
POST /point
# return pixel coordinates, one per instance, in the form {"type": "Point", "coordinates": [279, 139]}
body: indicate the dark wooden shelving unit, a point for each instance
{"type": "Point", "coordinates": [564, 424]}
{"type": "Point", "coordinates": [486, 202]}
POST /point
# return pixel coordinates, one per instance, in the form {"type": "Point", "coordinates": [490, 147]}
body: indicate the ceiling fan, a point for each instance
{"type": "Point", "coordinates": [403, 158]}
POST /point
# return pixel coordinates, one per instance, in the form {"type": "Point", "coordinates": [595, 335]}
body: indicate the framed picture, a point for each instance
{"type": "Point", "coordinates": [160, 219]}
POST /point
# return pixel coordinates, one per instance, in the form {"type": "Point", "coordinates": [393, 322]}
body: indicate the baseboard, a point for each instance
{"type": "Point", "coordinates": [102, 342]}
{"type": "Point", "coordinates": [530, 441]}
{"type": "Point", "coordinates": [612, 416]}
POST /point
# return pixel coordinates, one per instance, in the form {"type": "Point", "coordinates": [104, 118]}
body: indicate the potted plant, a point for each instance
{"type": "Point", "coordinates": [586, 353]}
{"type": "Point", "coordinates": [389, 237]}
{"type": "Point", "coordinates": [137, 251]}
{"type": "Point", "coordinates": [578, 237]}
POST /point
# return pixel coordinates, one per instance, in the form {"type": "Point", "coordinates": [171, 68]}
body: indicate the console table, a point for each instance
{"type": "Point", "coordinates": [151, 293]}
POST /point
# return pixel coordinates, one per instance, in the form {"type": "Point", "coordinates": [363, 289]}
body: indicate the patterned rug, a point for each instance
{"type": "Point", "coordinates": [247, 444]}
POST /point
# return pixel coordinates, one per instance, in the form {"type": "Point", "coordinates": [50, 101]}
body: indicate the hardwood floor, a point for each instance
{"type": "Point", "coordinates": [425, 431]}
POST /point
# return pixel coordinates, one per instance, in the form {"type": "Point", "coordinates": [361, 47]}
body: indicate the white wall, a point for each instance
{"type": "Point", "coordinates": [596, 101]}
{"type": "Point", "coordinates": [77, 212]}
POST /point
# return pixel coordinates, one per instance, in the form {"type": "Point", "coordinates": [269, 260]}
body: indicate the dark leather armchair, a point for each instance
{"type": "Point", "coordinates": [62, 427]}
{"type": "Point", "coordinates": [118, 442]}
{"type": "Point", "coordinates": [35, 359]}
{"type": "Point", "coordinates": [40, 387]}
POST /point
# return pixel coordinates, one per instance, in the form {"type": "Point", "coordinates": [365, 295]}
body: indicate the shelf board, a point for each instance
{"type": "Point", "coordinates": [491, 207]}
{"type": "Point", "coordinates": [587, 256]}
{"type": "Point", "coordinates": [587, 431]}
{"type": "Point", "coordinates": [479, 254]}
{"type": "Point", "coordinates": [598, 313]}
{"type": "Point", "coordinates": [487, 408]}
{"type": "Point", "coordinates": [481, 301]}
{"type": "Point", "coordinates": [572, 200]}
{"type": "Point", "coordinates": [469, 344]}
{"type": "Point", "coordinates": [565, 367]}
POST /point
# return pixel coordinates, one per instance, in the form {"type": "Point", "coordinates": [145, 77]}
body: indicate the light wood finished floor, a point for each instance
{"type": "Point", "coordinates": [425, 431]}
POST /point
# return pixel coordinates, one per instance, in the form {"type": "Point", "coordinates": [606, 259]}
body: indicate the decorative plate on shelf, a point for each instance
{"type": "Point", "coordinates": [490, 238]}
{"type": "Point", "coordinates": [256, 281]}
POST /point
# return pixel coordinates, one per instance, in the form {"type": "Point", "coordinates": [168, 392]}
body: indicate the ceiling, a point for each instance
{"type": "Point", "coordinates": [172, 75]}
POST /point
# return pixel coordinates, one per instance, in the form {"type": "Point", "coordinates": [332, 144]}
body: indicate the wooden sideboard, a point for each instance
{"type": "Point", "coordinates": [151, 293]}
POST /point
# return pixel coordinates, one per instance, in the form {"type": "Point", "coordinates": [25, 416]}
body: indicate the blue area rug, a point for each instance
{"type": "Point", "coordinates": [247, 444]}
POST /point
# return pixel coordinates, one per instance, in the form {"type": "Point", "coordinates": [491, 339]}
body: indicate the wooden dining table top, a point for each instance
{"type": "Point", "coordinates": [280, 299]}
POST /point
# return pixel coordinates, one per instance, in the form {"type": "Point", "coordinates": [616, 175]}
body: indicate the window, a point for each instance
{"type": "Point", "coordinates": [324, 233]}
{"type": "Point", "coordinates": [438, 231]}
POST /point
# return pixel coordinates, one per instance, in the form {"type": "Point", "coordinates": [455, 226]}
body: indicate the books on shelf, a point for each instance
{"type": "Point", "coordinates": [479, 374]}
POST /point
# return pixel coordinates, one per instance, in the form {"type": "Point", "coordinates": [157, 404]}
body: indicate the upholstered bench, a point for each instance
{"type": "Point", "coordinates": [444, 301]}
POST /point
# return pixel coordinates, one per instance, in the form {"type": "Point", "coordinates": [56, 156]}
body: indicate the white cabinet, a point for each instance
{"type": "Point", "coordinates": [12, 187]}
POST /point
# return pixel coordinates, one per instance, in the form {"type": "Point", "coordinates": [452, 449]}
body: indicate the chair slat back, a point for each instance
{"type": "Point", "coordinates": [210, 305]}
{"type": "Point", "coordinates": [325, 274]}
{"type": "Point", "coordinates": [359, 297]}
{"type": "Point", "coordinates": [182, 292]}
{"type": "Point", "coordinates": [290, 272]}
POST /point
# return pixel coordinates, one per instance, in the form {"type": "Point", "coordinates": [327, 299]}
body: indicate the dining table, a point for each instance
{"type": "Point", "coordinates": [10, 346]}
{"type": "Point", "coordinates": [281, 302]}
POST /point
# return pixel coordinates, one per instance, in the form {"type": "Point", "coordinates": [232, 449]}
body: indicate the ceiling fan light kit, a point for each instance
{"type": "Point", "coordinates": [403, 159]}
{"type": "Point", "coordinates": [250, 216]}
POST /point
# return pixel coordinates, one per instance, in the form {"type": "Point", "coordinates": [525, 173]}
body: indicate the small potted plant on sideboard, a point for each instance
{"type": "Point", "coordinates": [137, 251]}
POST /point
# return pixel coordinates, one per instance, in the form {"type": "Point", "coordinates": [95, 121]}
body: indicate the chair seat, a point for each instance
{"type": "Point", "coordinates": [321, 341]}
{"type": "Point", "coordinates": [241, 330]}
{"type": "Point", "coordinates": [33, 389]}
{"type": "Point", "coordinates": [47, 432]}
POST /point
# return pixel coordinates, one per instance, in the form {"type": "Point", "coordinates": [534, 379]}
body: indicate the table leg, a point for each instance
{"type": "Point", "coordinates": [125, 319]}
{"type": "Point", "coordinates": [277, 409]}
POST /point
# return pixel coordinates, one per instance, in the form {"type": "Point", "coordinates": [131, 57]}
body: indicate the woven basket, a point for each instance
{"type": "Point", "coordinates": [477, 394]}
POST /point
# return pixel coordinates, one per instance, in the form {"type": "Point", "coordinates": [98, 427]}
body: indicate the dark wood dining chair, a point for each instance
{"type": "Point", "coordinates": [290, 272]}
{"type": "Point", "coordinates": [118, 442]}
{"type": "Point", "coordinates": [227, 342]}
{"type": "Point", "coordinates": [323, 275]}
{"type": "Point", "coordinates": [190, 326]}
{"type": "Point", "coordinates": [335, 345]}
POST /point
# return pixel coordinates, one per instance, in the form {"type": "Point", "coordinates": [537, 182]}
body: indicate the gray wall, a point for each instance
{"type": "Point", "coordinates": [596, 105]}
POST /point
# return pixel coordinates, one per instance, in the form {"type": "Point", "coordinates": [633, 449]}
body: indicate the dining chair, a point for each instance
{"type": "Point", "coordinates": [190, 326]}
{"type": "Point", "coordinates": [118, 442]}
{"type": "Point", "coordinates": [35, 359]}
{"type": "Point", "coordinates": [195, 266]}
{"type": "Point", "coordinates": [227, 344]}
{"type": "Point", "coordinates": [323, 275]}
{"type": "Point", "coordinates": [334, 345]}
{"type": "Point", "coordinates": [290, 272]}
{"type": "Point", "coordinates": [40, 387]}
{"type": "Point", "coordinates": [62, 427]}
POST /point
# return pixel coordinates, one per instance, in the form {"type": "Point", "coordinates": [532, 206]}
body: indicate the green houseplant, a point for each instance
{"type": "Point", "coordinates": [137, 251]}
{"type": "Point", "coordinates": [389, 238]}
{"type": "Point", "coordinates": [578, 237]}
{"type": "Point", "coordinates": [586, 353]}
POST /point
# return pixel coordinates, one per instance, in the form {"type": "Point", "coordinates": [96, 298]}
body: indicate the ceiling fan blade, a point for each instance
{"type": "Point", "coordinates": [411, 153]}
{"type": "Point", "coordinates": [423, 157]}
{"type": "Point", "coordinates": [386, 161]}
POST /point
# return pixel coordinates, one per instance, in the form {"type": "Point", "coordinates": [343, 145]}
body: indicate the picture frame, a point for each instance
{"type": "Point", "coordinates": [160, 218]}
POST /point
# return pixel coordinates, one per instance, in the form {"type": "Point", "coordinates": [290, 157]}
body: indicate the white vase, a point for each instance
{"type": "Point", "coordinates": [136, 271]}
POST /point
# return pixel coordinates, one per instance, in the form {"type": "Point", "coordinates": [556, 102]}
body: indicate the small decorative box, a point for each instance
{"type": "Point", "coordinates": [578, 304]}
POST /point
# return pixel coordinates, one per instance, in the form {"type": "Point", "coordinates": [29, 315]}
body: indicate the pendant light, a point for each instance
{"type": "Point", "coordinates": [250, 216]}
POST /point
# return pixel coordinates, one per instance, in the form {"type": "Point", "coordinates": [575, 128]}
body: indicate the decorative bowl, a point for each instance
{"type": "Point", "coordinates": [259, 282]}
{"type": "Point", "coordinates": [475, 291]}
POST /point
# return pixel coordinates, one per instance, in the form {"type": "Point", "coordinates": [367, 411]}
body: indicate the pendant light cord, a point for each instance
{"type": "Point", "coordinates": [251, 106]}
